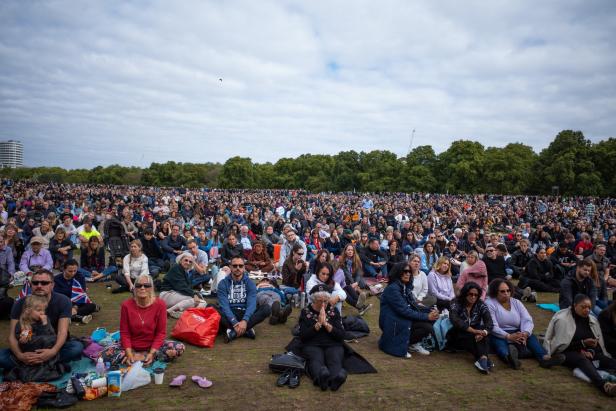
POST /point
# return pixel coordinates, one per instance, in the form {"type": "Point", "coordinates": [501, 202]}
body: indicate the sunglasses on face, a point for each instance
{"type": "Point", "coordinates": [237, 265]}
{"type": "Point", "coordinates": [407, 271]}
{"type": "Point", "coordinates": [40, 282]}
{"type": "Point", "coordinates": [143, 285]}
{"type": "Point", "coordinates": [474, 295]}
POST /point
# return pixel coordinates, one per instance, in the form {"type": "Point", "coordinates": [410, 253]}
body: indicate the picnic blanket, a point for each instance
{"type": "Point", "coordinates": [550, 307]}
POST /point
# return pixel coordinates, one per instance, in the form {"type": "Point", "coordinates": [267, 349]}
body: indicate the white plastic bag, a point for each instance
{"type": "Point", "coordinates": [136, 377]}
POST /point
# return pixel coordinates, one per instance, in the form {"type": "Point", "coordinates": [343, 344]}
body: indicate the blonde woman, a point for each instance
{"type": "Point", "coordinates": [440, 284]}
{"type": "Point", "coordinates": [143, 326]}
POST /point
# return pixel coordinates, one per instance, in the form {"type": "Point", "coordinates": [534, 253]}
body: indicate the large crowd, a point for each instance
{"type": "Point", "coordinates": [449, 270]}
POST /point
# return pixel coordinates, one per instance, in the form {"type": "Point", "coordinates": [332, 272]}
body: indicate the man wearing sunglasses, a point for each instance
{"type": "Point", "coordinates": [237, 303]}
{"type": "Point", "coordinates": [58, 314]}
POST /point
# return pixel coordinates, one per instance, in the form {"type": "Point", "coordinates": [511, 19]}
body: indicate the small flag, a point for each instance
{"type": "Point", "coordinates": [25, 291]}
{"type": "Point", "coordinates": [78, 295]}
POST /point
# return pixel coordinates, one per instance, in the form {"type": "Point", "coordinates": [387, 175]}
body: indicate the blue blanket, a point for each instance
{"type": "Point", "coordinates": [550, 307]}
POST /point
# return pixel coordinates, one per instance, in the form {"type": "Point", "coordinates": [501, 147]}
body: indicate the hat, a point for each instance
{"type": "Point", "coordinates": [347, 231]}
{"type": "Point", "coordinates": [37, 240]}
{"type": "Point", "coordinates": [320, 288]}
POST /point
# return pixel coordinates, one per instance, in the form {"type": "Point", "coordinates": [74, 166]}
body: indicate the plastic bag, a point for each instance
{"type": "Point", "coordinates": [197, 326]}
{"type": "Point", "coordinates": [135, 377]}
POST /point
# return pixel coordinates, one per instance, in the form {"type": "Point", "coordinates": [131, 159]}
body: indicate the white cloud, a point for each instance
{"type": "Point", "coordinates": [131, 82]}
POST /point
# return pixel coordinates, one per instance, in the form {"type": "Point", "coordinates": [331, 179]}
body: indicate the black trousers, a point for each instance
{"type": "Point", "coordinates": [262, 312]}
{"type": "Point", "coordinates": [463, 340]}
{"type": "Point", "coordinates": [352, 295]}
{"type": "Point", "coordinates": [85, 309]}
{"type": "Point", "coordinates": [577, 360]}
{"type": "Point", "coordinates": [550, 286]}
{"type": "Point", "coordinates": [420, 330]}
{"type": "Point", "coordinates": [330, 357]}
{"type": "Point", "coordinates": [443, 304]}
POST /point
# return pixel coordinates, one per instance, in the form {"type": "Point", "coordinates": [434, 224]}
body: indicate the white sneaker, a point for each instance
{"type": "Point", "coordinates": [408, 355]}
{"type": "Point", "coordinates": [418, 348]}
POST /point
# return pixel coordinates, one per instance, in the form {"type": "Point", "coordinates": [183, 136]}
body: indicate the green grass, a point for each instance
{"type": "Point", "coordinates": [441, 381]}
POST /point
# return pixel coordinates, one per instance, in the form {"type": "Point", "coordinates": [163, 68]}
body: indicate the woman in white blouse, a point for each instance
{"type": "Point", "coordinates": [134, 264]}
{"type": "Point", "coordinates": [420, 282]}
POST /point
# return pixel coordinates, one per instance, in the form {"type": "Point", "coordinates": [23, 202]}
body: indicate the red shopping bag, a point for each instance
{"type": "Point", "coordinates": [197, 326]}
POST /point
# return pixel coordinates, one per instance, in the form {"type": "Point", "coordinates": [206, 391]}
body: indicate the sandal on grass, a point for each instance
{"type": "Point", "coordinates": [202, 381]}
{"type": "Point", "coordinates": [178, 381]}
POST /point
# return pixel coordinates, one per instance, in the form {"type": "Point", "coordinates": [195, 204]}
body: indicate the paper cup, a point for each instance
{"type": "Point", "coordinates": [159, 374]}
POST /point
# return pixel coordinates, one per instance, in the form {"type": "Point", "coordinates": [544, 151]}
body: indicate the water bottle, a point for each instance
{"type": "Point", "coordinates": [100, 367]}
{"type": "Point", "coordinates": [302, 301]}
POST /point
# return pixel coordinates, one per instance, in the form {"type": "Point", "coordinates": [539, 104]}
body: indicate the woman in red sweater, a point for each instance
{"type": "Point", "coordinates": [143, 326]}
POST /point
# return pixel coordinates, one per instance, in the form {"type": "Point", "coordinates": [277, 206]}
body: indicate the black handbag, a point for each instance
{"type": "Point", "coordinates": [286, 361]}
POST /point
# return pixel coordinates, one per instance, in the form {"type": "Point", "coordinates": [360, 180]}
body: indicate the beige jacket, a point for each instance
{"type": "Point", "coordinates": [561, 330]}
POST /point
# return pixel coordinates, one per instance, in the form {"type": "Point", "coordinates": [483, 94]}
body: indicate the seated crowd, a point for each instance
{"type": "Point", "coordinates": [471, 261]}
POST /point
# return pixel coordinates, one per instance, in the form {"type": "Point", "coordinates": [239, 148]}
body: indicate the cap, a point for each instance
{"type": "Point", "coordinates": [37, 240]}
{"type": "Point", "coordinates": [319, 288]}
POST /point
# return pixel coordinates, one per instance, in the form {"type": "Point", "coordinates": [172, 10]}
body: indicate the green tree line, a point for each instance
{"type": "Point", "coordinates": [571, 162]}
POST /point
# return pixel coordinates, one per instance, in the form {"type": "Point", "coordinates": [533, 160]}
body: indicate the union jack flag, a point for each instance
{"type": "Point", "coordinates": [78, 295]}
{"type": "Point", "coordinates": [25, 291]}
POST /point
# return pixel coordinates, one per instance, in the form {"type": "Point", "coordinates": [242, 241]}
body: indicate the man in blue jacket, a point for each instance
{"type": "Point", "coordinates": [237, 301]}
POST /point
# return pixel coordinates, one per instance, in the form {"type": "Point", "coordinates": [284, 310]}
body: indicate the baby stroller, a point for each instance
{"type": "Point", "coordinates": [116, 239]}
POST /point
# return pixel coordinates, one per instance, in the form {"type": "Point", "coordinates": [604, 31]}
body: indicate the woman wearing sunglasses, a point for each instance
{"type": "Point", "coordinates": [143, 326]}
{"type": "Point", "coordinates": [471, 325]}
{"type": "Point", "coordinates": [512, 334]}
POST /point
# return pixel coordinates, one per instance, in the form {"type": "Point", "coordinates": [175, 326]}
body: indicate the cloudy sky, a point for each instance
{"type": "Point", "coordinates": [84, 83]}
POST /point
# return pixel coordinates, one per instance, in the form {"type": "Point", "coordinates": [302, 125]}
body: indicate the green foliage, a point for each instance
{"type": "Point", "coordinates": [571, 162]}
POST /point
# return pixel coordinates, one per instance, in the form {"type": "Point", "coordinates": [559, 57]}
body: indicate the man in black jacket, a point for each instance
{"type": "Point", "coordinates": [520, 258]}
{"type": "Point", "coordinates": [374, 260]}
{"type": "Point", "coordinates": [152, 249]}
{"type": "Point", "coordinates": [578, 283]}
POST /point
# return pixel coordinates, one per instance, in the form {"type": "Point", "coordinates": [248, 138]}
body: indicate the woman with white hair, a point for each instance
{"type": "Point", "coordinates": [177, 291]}
{"type": "Point", "coordinates": [143, 326]}
{"type": "Point", "coordinates": [322, 336]}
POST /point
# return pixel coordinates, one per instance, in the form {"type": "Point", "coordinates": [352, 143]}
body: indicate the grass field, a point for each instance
{"type": "Point", "coordinates": [440, 381]}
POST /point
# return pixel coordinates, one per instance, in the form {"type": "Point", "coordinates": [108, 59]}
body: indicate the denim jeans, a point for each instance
{"type": "Point", "coordinates": [70, 351]}
{"type": "Point", "coordinates": [106, 272]}
{"type": "Point", "coordinates": [501, 346]}
{"type": "Point", "coordinates": [371, 271]}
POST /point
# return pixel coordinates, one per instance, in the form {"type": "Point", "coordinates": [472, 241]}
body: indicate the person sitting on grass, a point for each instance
{"type": "Point", "coordinates": [92, 261]}
{"type": "Point", "coordinates": [134, 264]}
{"type": "Point", "coordinates": [322, 336]}
{"type": "Point", "coordinates": [237, 303]}
{"type": "Point", "coordinates": [576, 334]}
{"type": "Point", "coordinates": [72, 284]}
{"type": "Point", "coordinates": [61, 248]}
{"type": "Point", "coordinates": [176, 289]}
{"type": "Point", "coordinates": [374, 260]}
{"type": "Point", "coordinates": [258, 259]}
{"type": "Point", "coordinates": [268, 293]}
{"type": "Point", "coordinates": [35, 258]}
{"type": "Point", "coordinates": [579, 282]}
{"type": "Point", "coordinates": [471, 325]}
{"type": "Point", "coordinates": [173, 244]}
{"type": "Point", "coordinates": [58, 314]}
{"type": "Point", "coordinates": [403, 322]}
{"type": "Point", "coordinates": [607, 321]}
{"type": "Point", "coordinates": [440, 284]}
{"type": "Point", "coordinates": [539, 274]}
{"type": "Point", "coordinates": [325, 275]}
{"type": "Point", "coordinates": [34, 333]}
{"type": "Point", "coordinates": [143, 326]}
{"type": "Point", "coordinates": [512, 333]}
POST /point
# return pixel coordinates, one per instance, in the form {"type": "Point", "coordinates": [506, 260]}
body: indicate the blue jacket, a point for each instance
{"type": "Point", "coordinates": [238, 295]}
{"type": "Point", "coordinates": [398, 311]}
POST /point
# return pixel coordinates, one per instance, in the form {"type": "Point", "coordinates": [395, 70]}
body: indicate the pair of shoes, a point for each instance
{"type": "Point", "coordinates": [364, 309]}
{"type": "Point", "coordinates": [610, 389]}
{"type": "Point", "coordinates": [202, 382]}
{"type": "Point", "coordinates": [174, 314]}
{"type": "Point", "coordinates": [419, 349]}
{"type": "Point", "coordinates": [230, 335]}
{"type": "Point", "coordinates": [512, 358]}
{"type": "Point", "coordinates": [98, 307]}
{"type": "Point", "coordinates": [556, 359]}
{"type": "Point", "coordinates": [275, 315]}
{"type": "Point", "coordinates": [250, 333]}
{"type": "Point", "coordinates": [290, 377]}
{"type": "Point", "coordinates": [83, 319]}
{"type": "Point", "coordinates": [482, 365]}
{"type": "Point", "coordinates": [120, 289]}
{"type": "Point", "coordinates": [286, 312]}
{"type": "Point", "coordinates": [336, 382]}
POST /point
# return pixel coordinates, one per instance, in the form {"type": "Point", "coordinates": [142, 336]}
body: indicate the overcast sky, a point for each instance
{"type": "Point", "coordinates": [84, 83]}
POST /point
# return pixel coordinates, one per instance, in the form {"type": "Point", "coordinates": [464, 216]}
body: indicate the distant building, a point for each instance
{"type": "Point", "coordinates": [11, 154]}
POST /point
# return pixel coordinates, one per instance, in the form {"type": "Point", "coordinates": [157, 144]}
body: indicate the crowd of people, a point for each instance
{"type": "Point", "coordinates": [473, 260]}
